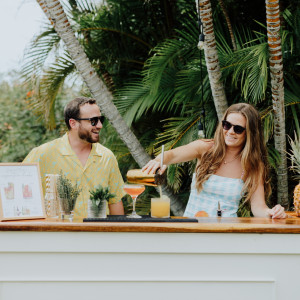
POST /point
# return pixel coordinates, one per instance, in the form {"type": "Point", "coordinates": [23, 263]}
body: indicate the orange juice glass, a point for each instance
{"type": "Point", "coordinates": [160, 207]}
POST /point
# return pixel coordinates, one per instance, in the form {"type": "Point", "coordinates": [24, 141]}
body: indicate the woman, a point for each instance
{"type": "Point", "coordinates": [232, 165]}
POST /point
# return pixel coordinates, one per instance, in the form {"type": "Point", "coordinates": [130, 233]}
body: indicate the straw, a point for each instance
{"type": "Point", "coordinates": [162, 156]}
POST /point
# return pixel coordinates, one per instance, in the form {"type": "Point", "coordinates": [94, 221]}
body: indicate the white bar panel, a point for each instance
{"type": "Point", "coordinates": [148, 242]}
{"type": "Point", "coordinates": [209, 290]}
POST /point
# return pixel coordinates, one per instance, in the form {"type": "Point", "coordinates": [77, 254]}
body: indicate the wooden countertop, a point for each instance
{"type": "Point", "coordinates": [209, 225]}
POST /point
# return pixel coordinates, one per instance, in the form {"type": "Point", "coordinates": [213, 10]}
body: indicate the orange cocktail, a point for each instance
{"type": "Point", "coordinates": [134, 190]}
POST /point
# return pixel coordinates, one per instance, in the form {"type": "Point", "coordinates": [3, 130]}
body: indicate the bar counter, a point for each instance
{"type": "Point", "coordinates": [224, 225]}
{"type": "Point", "coordinates": [216, 258]}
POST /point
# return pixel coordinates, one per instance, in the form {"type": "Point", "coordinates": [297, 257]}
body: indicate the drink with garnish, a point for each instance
{"type": "Point", "coordinates": [134, 190]}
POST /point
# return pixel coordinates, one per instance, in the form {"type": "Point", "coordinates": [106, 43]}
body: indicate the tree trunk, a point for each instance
{"type": "Point", "coordinates": [212, 59]}
{"type": "Point", "coordinates": [100, 92]}
{"type": "Point", "coordinates": [225, 12]}
{"type": "Point", "coordinates": [276, 70]}
{"type": "Point", "coordinates": [44, 7]}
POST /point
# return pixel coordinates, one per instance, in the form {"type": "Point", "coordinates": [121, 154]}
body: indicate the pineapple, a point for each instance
{"type": "Point", "coordinates": [295, 158]}
{"type": "Point", "coordinates": [297, 199]}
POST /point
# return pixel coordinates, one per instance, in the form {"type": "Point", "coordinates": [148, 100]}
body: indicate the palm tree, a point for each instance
{"type": "Point", "coordinates": [170, 89]}
{"type": "Point", "coordinates": [103, 96]}
{"type": "Point", "coordinates": [117, 37]}
{"type": "Point", "coordinates": [171, 85]}
{"type": "Point", "coordinates": [211, 58]}
{"type": "Point", "coordinates": [276, 70]}
{"type": "Point", "coordinates": [92, 80]}
{"type": "Point", "coordinates": [229, 25]}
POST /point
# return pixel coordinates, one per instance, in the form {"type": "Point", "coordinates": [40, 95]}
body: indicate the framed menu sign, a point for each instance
{"type": "Point", "coordinates": [21, 195]}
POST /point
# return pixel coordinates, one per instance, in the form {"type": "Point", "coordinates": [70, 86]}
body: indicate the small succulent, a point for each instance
{"type": "Point", "coordinates": [98, 197]}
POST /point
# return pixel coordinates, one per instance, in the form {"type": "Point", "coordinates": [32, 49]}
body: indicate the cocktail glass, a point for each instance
{"type": "Point", "coordinates": [134, 190]}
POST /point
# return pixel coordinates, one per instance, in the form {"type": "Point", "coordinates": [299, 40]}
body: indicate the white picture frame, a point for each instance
{"type": "Point", "coordinates": [21, 193]}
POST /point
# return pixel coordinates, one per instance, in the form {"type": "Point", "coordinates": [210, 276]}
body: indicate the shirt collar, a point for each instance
{"type": "Point", "coordinates": [66, 148]}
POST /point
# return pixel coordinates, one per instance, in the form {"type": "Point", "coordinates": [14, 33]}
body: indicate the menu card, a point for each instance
{"type": "Point", "coordinates": [21, 195]}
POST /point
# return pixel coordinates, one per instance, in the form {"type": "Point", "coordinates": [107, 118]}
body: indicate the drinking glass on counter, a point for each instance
{"type": "Point", "coordinates": [134, 190]}
{"type": "Point", "coordinates": [160, 207]}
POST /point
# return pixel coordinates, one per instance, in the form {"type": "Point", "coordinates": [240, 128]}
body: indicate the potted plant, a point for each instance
{"type": "Point", "coordinates": [98, 202]}
{"type": "Point", "coordinates": [68, 194]}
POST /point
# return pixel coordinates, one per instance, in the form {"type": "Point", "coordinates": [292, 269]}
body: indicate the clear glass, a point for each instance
{"type": "Point", "coordinates": [160, 207]}
{"type": "Point", "coordinates": [67, 216]}
{"type": "Point", "coordinates": [65, 212]}
{"type": "Point", "coordinates": [134, 190]}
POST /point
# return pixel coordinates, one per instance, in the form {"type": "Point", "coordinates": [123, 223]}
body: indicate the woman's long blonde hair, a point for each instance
{"type": "Point", "coordinates": [253, 154]}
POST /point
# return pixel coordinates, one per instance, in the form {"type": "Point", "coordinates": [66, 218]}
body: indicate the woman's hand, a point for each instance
{"type": "Point", "coordinates": [277, 212]}
{"type": "Point", "coordinates": [178, 155]}
{"type": "Point", "coordinates": [152, 166]}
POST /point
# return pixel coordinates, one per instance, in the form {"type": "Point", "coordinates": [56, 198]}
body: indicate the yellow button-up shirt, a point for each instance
{"type": "Point", "coordinates": [100, 168]}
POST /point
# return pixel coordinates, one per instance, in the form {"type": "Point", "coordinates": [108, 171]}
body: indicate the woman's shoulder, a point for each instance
{"type": "Point", "coordinates": [205, 144]}
{"type": "Point", "coordinates": [202, 145]}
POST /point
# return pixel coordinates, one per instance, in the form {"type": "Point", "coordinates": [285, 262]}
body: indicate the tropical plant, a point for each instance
{"type": "Point", "coordinates": [125, 30]}
{"type": "Point", "coordinates": [173, 88]}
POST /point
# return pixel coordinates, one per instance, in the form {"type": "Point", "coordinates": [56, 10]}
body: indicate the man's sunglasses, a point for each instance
{"type": "Point", "coordinates": [94, 121]}
{"type": "Point", "coordinates": [236, 128]}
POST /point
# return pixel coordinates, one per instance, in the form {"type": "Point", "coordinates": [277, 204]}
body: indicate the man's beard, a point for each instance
{"type": "Point", "coordinates": [87, 136]}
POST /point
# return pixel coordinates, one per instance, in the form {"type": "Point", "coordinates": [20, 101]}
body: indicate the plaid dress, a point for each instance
{"type": "Point", "coordinates": [228, 191]}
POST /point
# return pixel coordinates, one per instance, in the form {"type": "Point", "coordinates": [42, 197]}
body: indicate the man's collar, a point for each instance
{"type": "Point", "coordinates": [66, 147]}
{"type": "Point", "coordinates": [67, 150]}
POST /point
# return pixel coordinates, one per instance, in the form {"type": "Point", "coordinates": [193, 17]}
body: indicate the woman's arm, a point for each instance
{"type": "Point", "coordinates": [259, 207]}
{"type": "Point", "coordinates": [180, 154]}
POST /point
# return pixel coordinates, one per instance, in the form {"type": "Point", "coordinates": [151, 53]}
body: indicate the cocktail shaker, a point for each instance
{"type": "Point", "coordinates": [138, 176]}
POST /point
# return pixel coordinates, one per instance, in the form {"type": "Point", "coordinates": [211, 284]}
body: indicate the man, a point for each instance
{"type": "Point", "coordinates": [80, 157]}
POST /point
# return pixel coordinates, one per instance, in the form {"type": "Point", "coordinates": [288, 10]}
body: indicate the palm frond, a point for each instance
{"type": "Point", "coordinates": [176, 175]}
{"type": "Point", "coordinates": [38, 53]}
{"type": "Point", "coordinates": [249, 68]}
{"type": "Point", "coordinates": [47, 87]}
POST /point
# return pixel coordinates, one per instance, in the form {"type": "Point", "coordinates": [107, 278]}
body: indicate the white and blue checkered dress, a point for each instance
{"type": "Point", "coordinates": [228, 191]}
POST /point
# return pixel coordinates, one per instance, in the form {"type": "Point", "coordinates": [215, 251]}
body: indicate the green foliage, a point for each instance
{"type": "Point", "coordinates": [98, 197]}
{"type": "Point", "coordinates": [67, 192]}
{"type": "Point", "coordinates": [117, 35]}
{"type": "Point", "coordinates": [20, 129]}
{"type": "Point", "coordinates": [146, 54]}
{"type": "Point", "coordinates": [244, 210]}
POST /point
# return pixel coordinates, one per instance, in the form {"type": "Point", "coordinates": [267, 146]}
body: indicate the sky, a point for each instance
{"type": "Point", "coordinates": [20, 21]}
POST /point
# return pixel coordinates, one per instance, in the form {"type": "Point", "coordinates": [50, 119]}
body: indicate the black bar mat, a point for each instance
{"type": "Point", "coordinates": [144, 219]}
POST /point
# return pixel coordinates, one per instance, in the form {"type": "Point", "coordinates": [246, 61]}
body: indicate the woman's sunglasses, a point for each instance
{"type": "Point", "coordinates": [94, 121]}
{"type": "Point", "coordinates": [236, 128]}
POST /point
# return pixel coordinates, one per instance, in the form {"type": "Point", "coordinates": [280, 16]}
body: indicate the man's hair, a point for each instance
{"type": "Point", "coordinates": [72, 109]}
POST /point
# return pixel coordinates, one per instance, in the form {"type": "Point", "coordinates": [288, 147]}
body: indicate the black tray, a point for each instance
{"type": "Point", "coordinates": [117, 218]}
